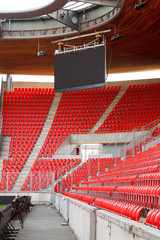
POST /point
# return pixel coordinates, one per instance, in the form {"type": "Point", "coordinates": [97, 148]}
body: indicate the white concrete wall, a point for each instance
{"type": "Point", "coordinates": [103, 138]}
{"type": "Point", "coordinates": [57, 202]}
{"type": "Point", "coordinates": [90, 223]}
{"type": "Point", "coordinates": [80, 219]}
{"type": "Point", "coordinates": [65, 147]}
{"type": "Point", "coordinates": [64, 207]}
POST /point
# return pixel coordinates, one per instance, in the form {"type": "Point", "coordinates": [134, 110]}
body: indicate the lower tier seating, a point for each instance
{"type": "Point", "coordinates": [129, 188]}
{"type": "Point", "coordinates": [45, 171]}
{"type": "Point", "coordinates": [91, 167]}
{"type": "Point", "coordinates": [131, 211]}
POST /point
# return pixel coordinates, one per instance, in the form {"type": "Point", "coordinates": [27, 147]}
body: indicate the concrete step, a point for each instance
{"type": "Point", "coordinates": [4, 154]}
{"type": "Point", "coordinates": [108, 111]}
{"type": "Point", "coordinates": [5, 142]}
{"type": "Point", "coordinates": [6, 138]}
{"type": "Point", "coordinates": [5, 147]}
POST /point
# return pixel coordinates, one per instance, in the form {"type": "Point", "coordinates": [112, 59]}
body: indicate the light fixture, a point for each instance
{"type": "Point", "coordinates": [62, 15]}
{"type": "Point", "coordinates": [117, 35]}
{"type": "Point", "coordinates": [74, 19]}
{"type": "Point", "coordinates": [99, 38]}
{"type": "Point", "coordinates": [41, 53]}
{"type": "Point", "coordinates": [60, 44]}
{"type": "Point", "coordinates": [84, 14]}
{"type": "Point", "coordinates": [139, 5]}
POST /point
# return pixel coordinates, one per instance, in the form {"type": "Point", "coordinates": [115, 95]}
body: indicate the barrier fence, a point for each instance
{"type": "Point", "coordinates": [149, 137]}
{"type": "Point", "coordinates": [33, 182]}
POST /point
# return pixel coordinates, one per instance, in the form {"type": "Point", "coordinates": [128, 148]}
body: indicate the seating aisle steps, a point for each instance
{"type": "Point", "coordinates": [5, 150]}
{"type": "Point", "coordinates": [108, 110]}
{"type": "Point", "coordinates": [34, 154]}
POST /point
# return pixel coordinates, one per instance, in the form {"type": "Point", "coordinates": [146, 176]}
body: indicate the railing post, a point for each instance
{"type": "Point", "coordinates": [31, 182]}
{"type": "Point", "coordinates": [89, 167]}
{"type": "Point", "coordinates": [47, 180]}
{"type": "Point", "coordinates": [39, 181]}
{"type": "Point", "coordinates": [92, 224]}
{"type": "Point", "coordinates": [99, 164]}
{"type": "Point", "coordinates": [133, 142]}
{"type": "Point", "coordinates": [53, 180]}
{"type": "Point", "coordinates": [7, 180]}
{"type": "Point", "coordinates": [61, 180]}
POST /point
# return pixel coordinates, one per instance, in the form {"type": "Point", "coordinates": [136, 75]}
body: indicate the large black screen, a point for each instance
{"type": "Point", "coordinates": [80, 70]}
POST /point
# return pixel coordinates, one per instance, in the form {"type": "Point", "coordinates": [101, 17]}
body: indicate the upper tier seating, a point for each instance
{"type": "Point", "coordinates": [24, 113]}
{"type": "Point", "coordinates": [78, 112]}
{"type": "Point", "coordinates": [139, 106]}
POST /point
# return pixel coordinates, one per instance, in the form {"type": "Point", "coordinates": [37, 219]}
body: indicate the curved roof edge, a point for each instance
{"type": "Point", "coordinates": [60, 30]}
{"type": "Point", "coordinates": [50, 7]}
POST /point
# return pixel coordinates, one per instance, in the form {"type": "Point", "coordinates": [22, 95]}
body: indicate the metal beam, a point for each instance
{"type": "Point", "coordinates": [110, 3]}
{"type": "Point", "coordinates": [82, 36]}
{"type": "Point", "coordinates": [67, 17]}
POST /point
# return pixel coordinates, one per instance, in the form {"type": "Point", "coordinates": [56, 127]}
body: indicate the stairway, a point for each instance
{"type": "Point", "coordinates": [34, 154]}
{"type": "Point", "coordinates": [108, 110]}
{"type": "Point", "coordinates": [5, 150]}
{"type": "Point", "coordinates": [5, 147]}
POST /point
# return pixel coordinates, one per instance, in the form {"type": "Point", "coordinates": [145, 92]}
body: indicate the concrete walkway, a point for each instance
{"type": "Point", "coordinates": [44, 222]}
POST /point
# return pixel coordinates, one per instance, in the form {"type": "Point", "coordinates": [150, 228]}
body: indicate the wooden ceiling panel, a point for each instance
{"type": "Point", "coordinates": [137, 50]}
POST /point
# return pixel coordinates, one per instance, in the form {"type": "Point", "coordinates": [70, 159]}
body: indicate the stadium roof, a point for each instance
{"type": "Point", "coordinates": [77, 6]}
{"type": "Point", "coordinates": [137, 50]}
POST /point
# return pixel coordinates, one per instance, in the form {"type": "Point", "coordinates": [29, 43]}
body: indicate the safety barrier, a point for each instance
{"type": "Point", "coordinates": [91, 222]}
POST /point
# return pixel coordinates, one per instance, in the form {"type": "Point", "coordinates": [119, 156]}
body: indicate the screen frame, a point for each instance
{"type": "Point", "coordinates": [85, 86]}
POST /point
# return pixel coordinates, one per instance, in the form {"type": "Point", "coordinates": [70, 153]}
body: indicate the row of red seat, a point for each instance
{"type": "Point", "coordinates": [144, 162]}
{"type": "Point", "coordinates": [37, 90]}
{"type": "Point", "coordinates": [128, 210]}
{"type": "Point", "coordinates": [146, 196]}
{"type": "Point", "coordinates": [91, 167]}
{"type": "Point", "coordinates": [123, 184]}
{"type": "Point", "coordinates": [153, 218]}
{"type": "Point", "coordinates": [96, 191]}
{"type": "Point", "coordinates": [84, 198]}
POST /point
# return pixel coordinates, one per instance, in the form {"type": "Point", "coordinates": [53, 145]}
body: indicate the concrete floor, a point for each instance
{"type": "Point", "coordinates": [44, 222]}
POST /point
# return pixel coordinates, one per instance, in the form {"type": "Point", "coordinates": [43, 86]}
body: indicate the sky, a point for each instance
{"type": "Point", "coordinates": [111, 77]}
